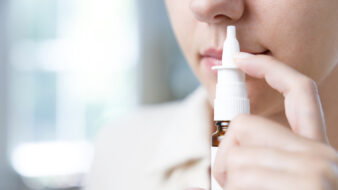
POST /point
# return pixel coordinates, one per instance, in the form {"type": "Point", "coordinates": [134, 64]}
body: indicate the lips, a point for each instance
{"type": "Point", "coordinates": [213, 57]}
{"type": "Point", "coordinates": [213, 53]}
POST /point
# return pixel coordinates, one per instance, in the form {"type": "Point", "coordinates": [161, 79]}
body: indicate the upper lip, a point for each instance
{"type": "Point", "coordinates": [217, 53]}
{"type": "Point", "coordinates": [213, 53]}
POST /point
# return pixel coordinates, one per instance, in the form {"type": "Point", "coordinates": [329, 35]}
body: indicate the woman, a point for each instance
{"type": "Point", "coordinates": [291, 57]}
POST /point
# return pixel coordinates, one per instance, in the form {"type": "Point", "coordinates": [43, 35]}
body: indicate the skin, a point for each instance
{"type": "Point", "coordinates": [284, 143]}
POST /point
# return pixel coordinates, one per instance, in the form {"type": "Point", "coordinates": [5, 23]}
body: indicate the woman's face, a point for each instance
{"type": "Point", "coordinates": [300, 33]}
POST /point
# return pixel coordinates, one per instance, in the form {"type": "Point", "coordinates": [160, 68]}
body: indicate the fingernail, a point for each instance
{"type": "Point", "coordinates": [242, 55]}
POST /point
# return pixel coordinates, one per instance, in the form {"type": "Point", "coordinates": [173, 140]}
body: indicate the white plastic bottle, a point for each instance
{"type": "Point", "coordinates": [231, 95]}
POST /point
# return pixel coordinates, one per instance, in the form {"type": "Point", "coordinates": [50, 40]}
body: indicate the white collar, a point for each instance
{"type": "Point", "coordinates": [189, 135]}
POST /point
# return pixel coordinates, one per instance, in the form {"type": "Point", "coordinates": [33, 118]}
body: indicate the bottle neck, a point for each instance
{"type": "Point", "coordinates": [222, 126]}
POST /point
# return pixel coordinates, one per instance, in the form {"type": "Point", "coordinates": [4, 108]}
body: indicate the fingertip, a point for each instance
{"type": "Point", "coordinates": [242, 55]}
{"type": "Point", "coordinates": [247, 63]}
{"type": "Point", "coordinates": [242, 58]}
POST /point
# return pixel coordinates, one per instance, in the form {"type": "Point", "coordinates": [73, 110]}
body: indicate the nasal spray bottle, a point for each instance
{"type": "Point", "coordinates": [231, 95]}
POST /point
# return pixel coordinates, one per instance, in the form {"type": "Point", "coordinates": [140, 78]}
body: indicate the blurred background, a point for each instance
{"type": "Point", "coordinates": [67, 67]}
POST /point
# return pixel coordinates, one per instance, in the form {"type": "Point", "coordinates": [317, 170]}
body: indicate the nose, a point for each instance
{"type": "Point", "coordinates": [216, 11]}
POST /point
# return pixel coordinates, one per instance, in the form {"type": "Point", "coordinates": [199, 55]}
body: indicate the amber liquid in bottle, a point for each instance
{"type": "Point", "coordinates": [222, 127]}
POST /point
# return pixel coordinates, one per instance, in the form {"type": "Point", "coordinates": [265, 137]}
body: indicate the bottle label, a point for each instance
{"type": "Point", "coordinates": [214, 183]}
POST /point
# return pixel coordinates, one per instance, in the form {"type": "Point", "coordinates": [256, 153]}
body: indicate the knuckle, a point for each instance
{"type": "Point", "coordinates": [323, 171]}
{"type": "Point", "coordinates": [325, 152]}
{"type": "Point", "coordinates": [307, 84]}
{"type": "Point", "coordinates": [329, 153]}
{"type": "Point", "coordinates": [332, 154]}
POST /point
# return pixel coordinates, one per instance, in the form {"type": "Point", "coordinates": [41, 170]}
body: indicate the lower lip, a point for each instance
{"type": "Point", "coordinates": [210, 62]}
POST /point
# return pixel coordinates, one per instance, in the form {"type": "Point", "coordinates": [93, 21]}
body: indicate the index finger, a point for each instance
{"type": "Point", "coordinates": [302, 104]}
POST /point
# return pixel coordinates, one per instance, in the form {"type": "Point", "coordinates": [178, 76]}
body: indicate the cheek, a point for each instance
{"type": "Point", "coordinates": [305, 38]}
{"type": "Point", "coordinates": [184, 25]}
{"type": "Point", "coordinates": [189, 33]}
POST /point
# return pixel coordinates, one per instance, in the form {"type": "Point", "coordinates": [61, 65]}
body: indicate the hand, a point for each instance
{"type": "Point", "coordinates": [258, 153]}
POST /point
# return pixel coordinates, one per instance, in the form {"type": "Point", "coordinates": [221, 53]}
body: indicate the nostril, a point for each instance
{"type": "Point", "coordinates": [216, 11]}
{"type": "Point", "coordinates": [221, 17]}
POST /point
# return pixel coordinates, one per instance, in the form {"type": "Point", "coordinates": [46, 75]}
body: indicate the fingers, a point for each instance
{"type": "Point", "coordinates": [254, 131]}
{"type": "Point", "coordinates": [266, 168]}
{"type": "Point", "coordinates": [269, 153]}
{"type": "Point", "coordinates": [251, 130]}
{"type": "Point", "coordinates": [258, 178]}
{"type": "Point", "coordinates": [302, 104]}
{"type": "Point", "coordinates": [274, 159]}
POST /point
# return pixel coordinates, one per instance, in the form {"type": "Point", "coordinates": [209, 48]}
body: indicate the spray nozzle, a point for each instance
{"type": "Point", "coordinates": [230, 47]}
{"type": "Point", "coordinates": [231, 32]}
{"type": "Point", "coordinates": [231, 95]}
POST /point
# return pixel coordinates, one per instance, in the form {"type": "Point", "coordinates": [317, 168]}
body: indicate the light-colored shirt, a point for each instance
{"type": "Point", "coordinates": [162, 147]}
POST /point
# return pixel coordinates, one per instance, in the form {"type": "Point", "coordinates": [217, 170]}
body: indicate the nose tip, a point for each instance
{"type": "Point", "coordinates": [212, 11]}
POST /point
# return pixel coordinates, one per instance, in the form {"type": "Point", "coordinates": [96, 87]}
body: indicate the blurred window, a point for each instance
{"type": "Point", "coordinates": [72, 68]}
